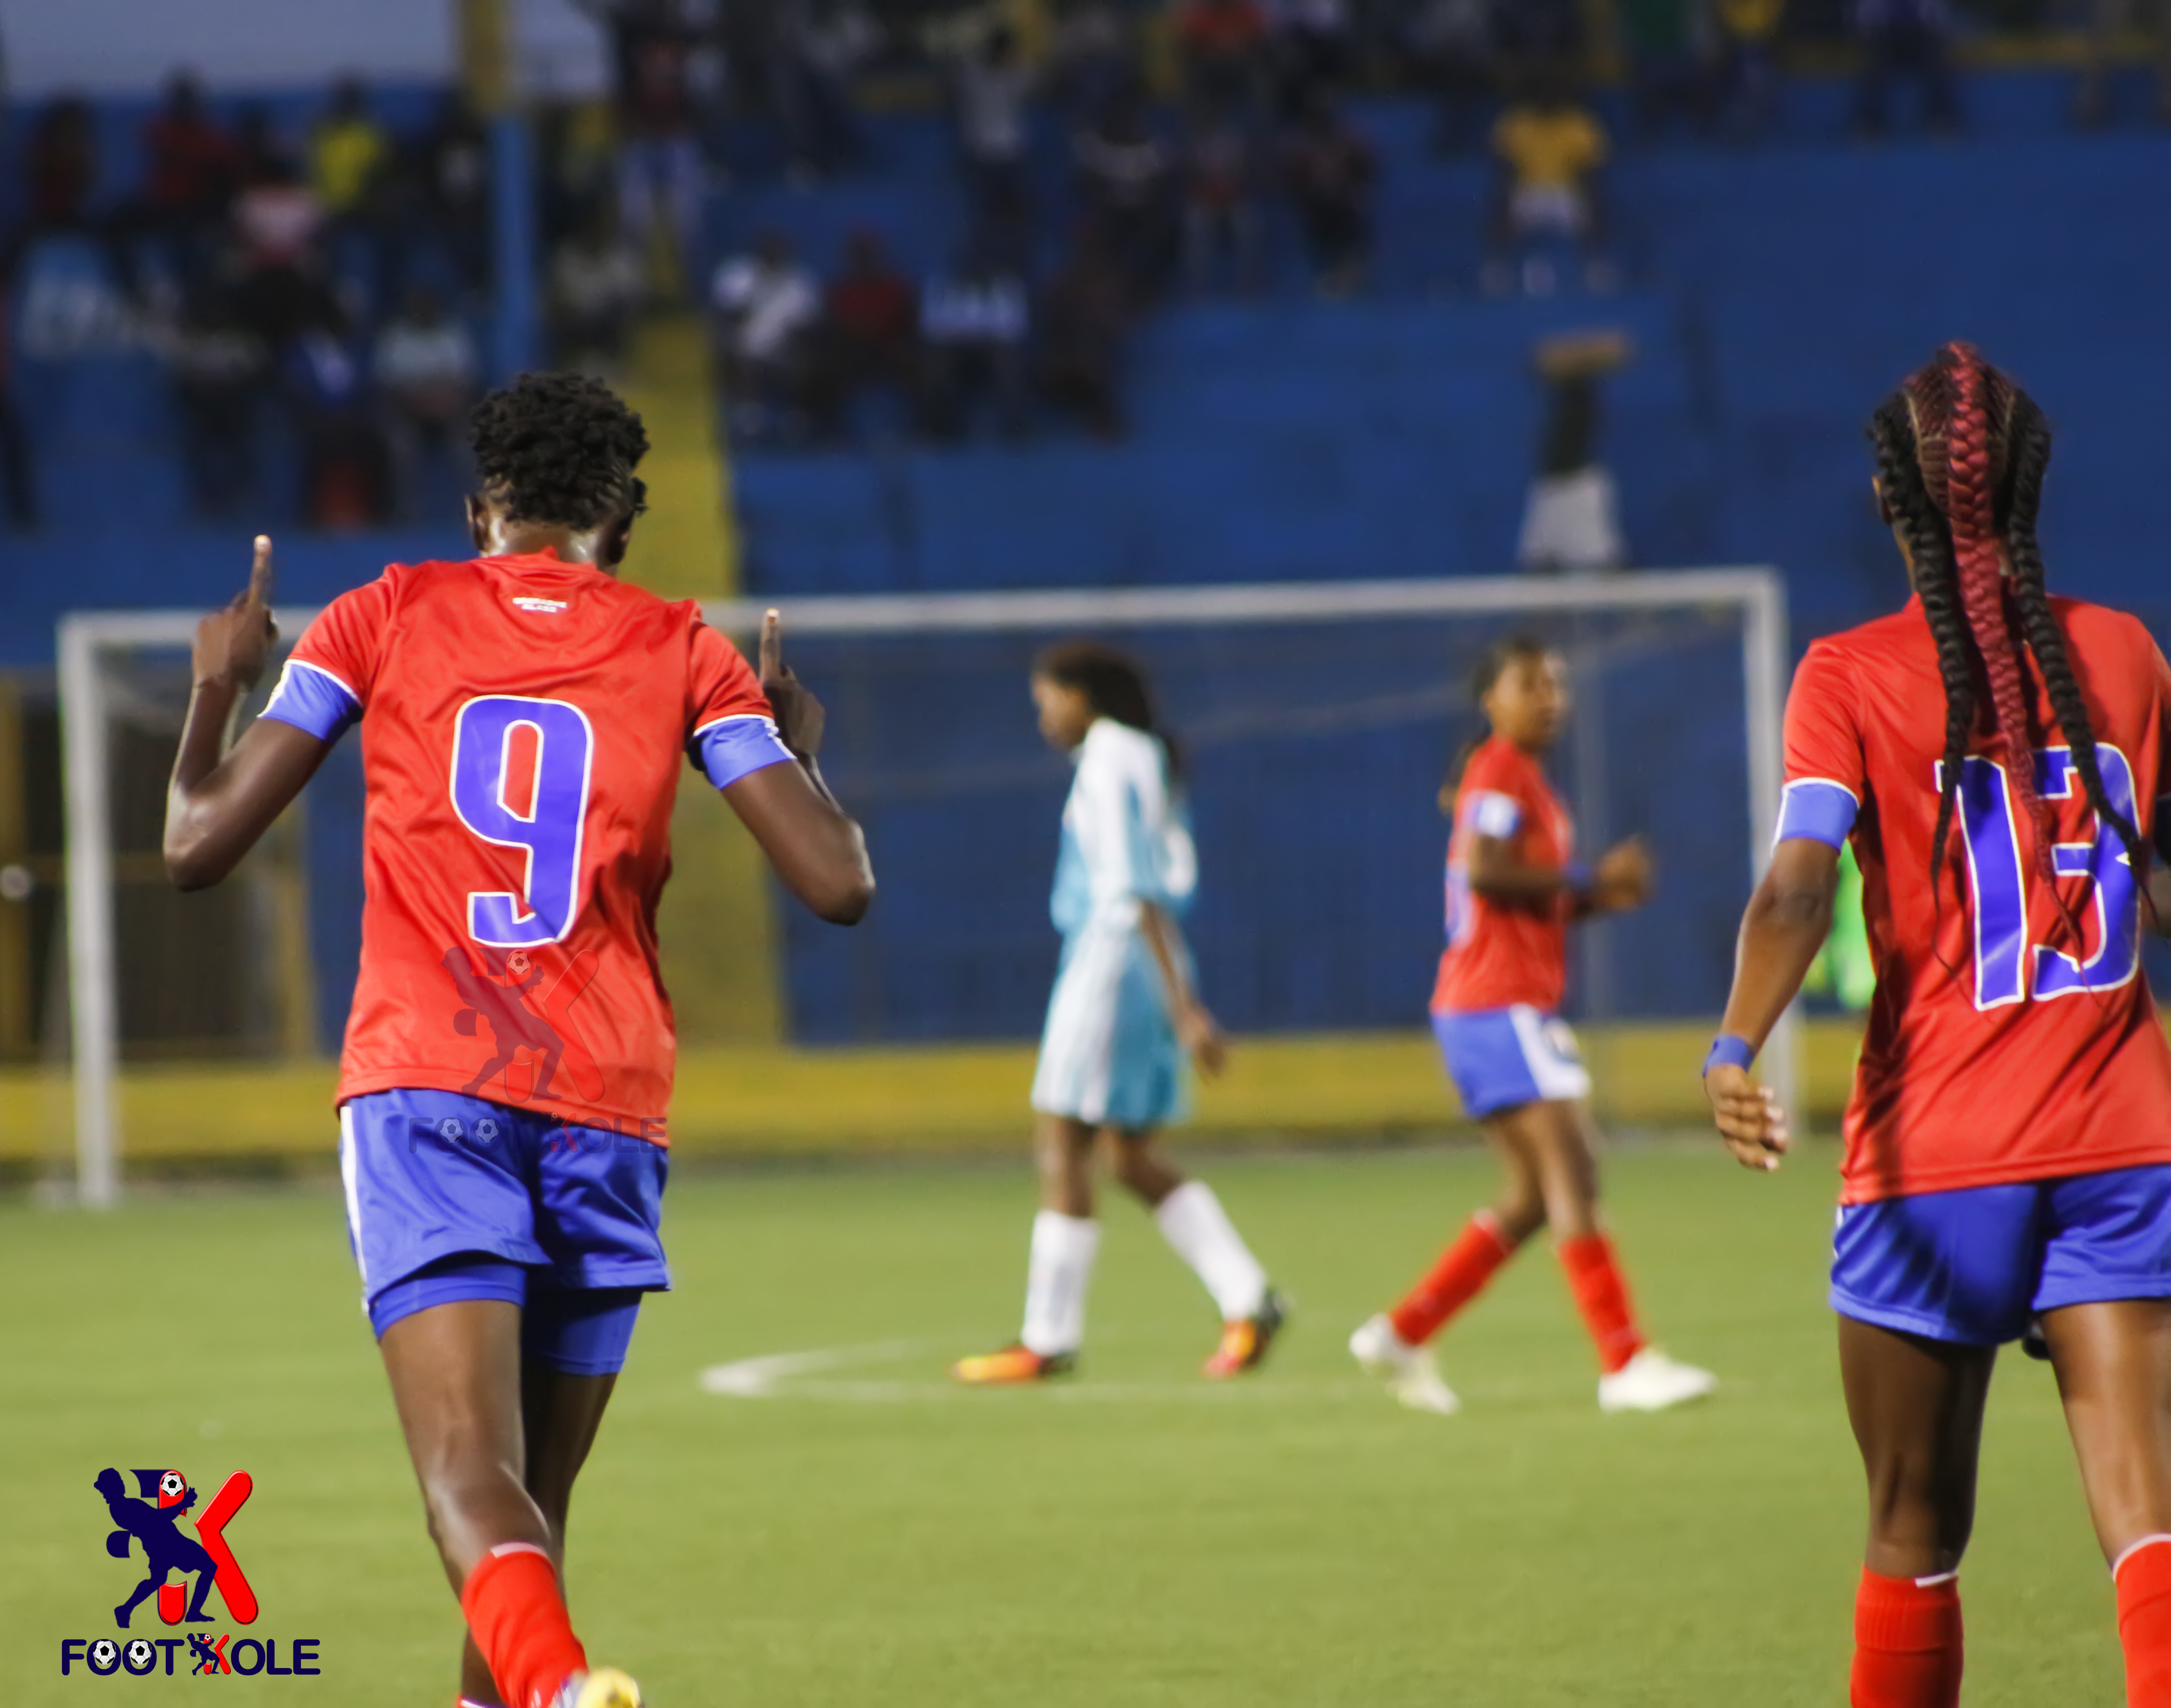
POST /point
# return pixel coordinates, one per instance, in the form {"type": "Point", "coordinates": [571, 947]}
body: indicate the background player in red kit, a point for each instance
{"type": "Point", "coordinates": [1513, 885]}
{"type": "Point", "coordinates": [509, 1055]}
{"type": "Point", "coordinates": [1997, 757]}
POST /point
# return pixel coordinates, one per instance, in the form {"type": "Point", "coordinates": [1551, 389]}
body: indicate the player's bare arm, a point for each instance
{"type": "Point", "coordinates": [1787, 921]}
{"type": "Point", "coordinates": [1622, 879]}
{"type": "Point", "coordinates": [817, 848]}
{"type": "Point", "coordinates": [1196, 1028]}
{"type": "Point", "coordinates": [223, 799]}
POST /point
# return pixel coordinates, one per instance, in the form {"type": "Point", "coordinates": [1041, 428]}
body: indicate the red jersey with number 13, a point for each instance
{"type": "Point", "coordinates": [1501, 954]}
{"type": "Point", "coordinates": [523, 721]}
{"type": "Point", "coordinates": [2002, 1044]}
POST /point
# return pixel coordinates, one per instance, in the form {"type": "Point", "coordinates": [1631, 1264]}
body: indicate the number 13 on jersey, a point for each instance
{"type": "Point", "coordinates": [2004, 955]}
{"type": "Point", "coordinates": [484, 784]}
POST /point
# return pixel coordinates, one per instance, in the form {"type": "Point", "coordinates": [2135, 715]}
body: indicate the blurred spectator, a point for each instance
{"type": "Point", "coordinates": [654, 44]}
{"type": "Point", "coordinates": [1904, 40]}
{"type": "Point", "coordinates": [1749, 64]}
{"type": "Point", "coordinates": [973, 324]}
{"type": "Point", "coordinates": [1669, 69]}
{"type": "Point", "coordinates": [277, 220]}
{"type": "Point", "coordinates": [217, 370]}
{"type": "Point", "coordinates": [451, 175]}
{"type": "Point", "coordinates": [1331, 171]}
{"type": "Point", "coordinates": [350, 156]}
{"type": "Point", "coordinates": [1085, 317]}
{"type": "Point", "coordinates": [1224, 44]}
{"type": "Point", "coordinates": [1312, 51]}
{"type": "Point", "coordinates": [192, 169]}
{"type": "Point", "coordinates": [766, 305]}
{"type": "Point", "coordinates": [813, 48]}
{"type": "Point", "coordinates": [427, 372]}
{"type": "Point", "coordinates": [1125, 185]}
{"type": "Point", "coordinates": [61, 166]}
{"type": "Point", "coordinates": [1221, 206]}
{"type": "Point", "coordinates": [1092, 55]}
{"type": "Point", "coordinates": [346, 472]}
{"type": "Point", "coordinates": [1572, 522]}
{"type": "Point", "coordinates": [869, 334]}
{"type": "Point", "coordinates": [579, 168]}
{"type": "Point", "coordinates": [1550, 147]}
{"type": "Point", "coordinates": [2109, 20]}
{"type": "Point", "coordinates": [598, 285]}
{"type": "Point", "coordinates": [994, 90]}
{"type": "Point", "coordinates": [264, 152]}
{"type": "Point", "coordinates": [15, 473]}
{"type": "Point", "coordinates": [1540, 40]}
{"type": "Point", "coordinates": [1452, 45]}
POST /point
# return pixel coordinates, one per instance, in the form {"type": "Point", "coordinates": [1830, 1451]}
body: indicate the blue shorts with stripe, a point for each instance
{"type": "Point", "coordinates": [1503, 1058]}
{"type": "Point", "coordinates": [1975, 1265]}
{"type": "Point", "coordinates": [451, 1197]}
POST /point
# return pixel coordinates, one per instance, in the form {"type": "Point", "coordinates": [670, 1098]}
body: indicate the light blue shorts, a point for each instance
{"type": "Point", "coordinates": [1108, 1055]}
{"type": "Point", "coordinates": [1503, 1058]}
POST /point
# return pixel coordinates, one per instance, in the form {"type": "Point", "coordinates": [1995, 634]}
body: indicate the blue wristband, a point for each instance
{"type": "Point", "coordinates": [1578, 876]}
{"type": "Point", "coordinates": [1727, 1051]}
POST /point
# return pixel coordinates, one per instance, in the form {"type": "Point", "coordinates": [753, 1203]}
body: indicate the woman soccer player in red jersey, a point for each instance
{"type": "Point", "coordinates": [1997, 756]}
{"type": "Point", "coordinates": [509, 1054]}
{"type": "Point", "coordinates": [1512, 885]}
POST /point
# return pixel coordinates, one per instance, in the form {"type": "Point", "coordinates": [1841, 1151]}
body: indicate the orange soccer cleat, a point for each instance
{"type": "Point", "coordinates": [1012, 1365]}
{"type": "Point", "coordinates": [1244, 1342]}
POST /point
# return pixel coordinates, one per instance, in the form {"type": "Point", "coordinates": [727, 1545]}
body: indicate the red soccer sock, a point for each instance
{"type": "Point", "coordinates": [2143, 1574]}
{"type": "Point", "coordinates": [1459, 1276]}
{"type": "Point", "coordinates": [1602, 1296]}
{"type": "Point", "coordinates": [1907, 1650]}
{"type": "Point", "coordinates": [517, 1613]}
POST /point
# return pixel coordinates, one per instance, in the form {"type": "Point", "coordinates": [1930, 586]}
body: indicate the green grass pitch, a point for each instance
{"type": "Point", "coordinates": [866, 1534]}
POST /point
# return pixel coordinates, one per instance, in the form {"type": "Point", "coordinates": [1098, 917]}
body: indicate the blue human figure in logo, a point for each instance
{"type": "Point", "coordinates": [166, 1549]}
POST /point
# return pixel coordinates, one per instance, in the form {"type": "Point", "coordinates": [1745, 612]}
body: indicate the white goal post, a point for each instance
{"type": "Point", "coordinates": [84, 638]}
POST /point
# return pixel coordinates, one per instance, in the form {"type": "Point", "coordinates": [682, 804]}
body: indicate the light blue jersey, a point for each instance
{"type": "Point", "coordinates": [1109, 1053]}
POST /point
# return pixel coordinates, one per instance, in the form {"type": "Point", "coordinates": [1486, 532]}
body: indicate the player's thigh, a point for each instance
{"type": "Point", "coordinates": [1559, 1137]}
{"type": "Point", "coordinates": [1509, 1137]}
{"type": "Point", "coordinates": [1916, 1405]}
{"type": "Point", "coordinates": [562, 1413]}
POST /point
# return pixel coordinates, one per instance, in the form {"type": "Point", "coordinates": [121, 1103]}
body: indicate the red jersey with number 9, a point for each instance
{"type": "Point", "coordinates": [522, 724]}
{"type": "Point", "coordinates": [1503, 953]}
{"type": "Point", "coordinates": [2006, 1041]}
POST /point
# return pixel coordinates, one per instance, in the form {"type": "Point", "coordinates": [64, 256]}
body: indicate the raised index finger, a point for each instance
{"type": "Point", "coordinates": [259, 572]}
{"type": "Point", "coordinates": [772, 646]}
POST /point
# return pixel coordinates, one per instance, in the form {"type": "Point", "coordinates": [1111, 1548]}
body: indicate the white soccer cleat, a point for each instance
{"type": "Point", "coordinates": [1652, 1382]}
{"type": "Point", "coordinates": [1412, 1376]}
{"type": "Point", "coordinates": [605, 1687]}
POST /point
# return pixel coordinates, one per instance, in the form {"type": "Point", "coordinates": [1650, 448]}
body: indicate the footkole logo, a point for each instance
{"type": "Point", "coordinates": [150, 1521]}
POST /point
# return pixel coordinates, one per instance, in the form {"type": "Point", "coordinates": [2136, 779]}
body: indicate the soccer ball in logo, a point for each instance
{"type": "Point", "coordinates": [172, 1486]}
{"type": "Point", "coordinates": [141, 1654]}
{"type": "Point", "coordinates": [105, 1654]}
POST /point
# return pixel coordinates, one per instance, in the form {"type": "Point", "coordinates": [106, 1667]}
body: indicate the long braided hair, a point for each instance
{"type": "Point", "coordinates": [1961, 453]}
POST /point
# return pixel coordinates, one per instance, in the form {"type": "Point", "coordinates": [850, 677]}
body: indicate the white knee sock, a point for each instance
{"type": "Point", "coordinates": [1056, 1276]}
{"type": "Point", "coordinates": [1192, 1221]}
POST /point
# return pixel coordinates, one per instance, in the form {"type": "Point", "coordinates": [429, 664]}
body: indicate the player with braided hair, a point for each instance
{"type": "Point", "coordinates": [2007, 1166]}
{"type": "Point", "coordinates": [523, 716]}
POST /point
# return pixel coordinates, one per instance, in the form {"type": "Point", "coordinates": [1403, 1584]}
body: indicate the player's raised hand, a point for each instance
{"type": "Point", "coordinates": [232, 645]}
{"type": "Point", "coordinates": [1749, 1117]}
{"type": "Point", "coordinates": [1624, 876]}
{"type": "Point", "coordinates": [800, 717]}
{"type": "Point", "coordinates": [1200, 1035]}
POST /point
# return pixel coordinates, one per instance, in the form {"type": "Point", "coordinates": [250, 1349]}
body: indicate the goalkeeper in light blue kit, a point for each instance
{"type": "Point", "coordinates": [1124, 1015]}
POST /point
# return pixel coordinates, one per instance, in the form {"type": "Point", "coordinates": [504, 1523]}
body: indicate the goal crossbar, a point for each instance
{"type": "Point", "coordinates": [84, 638]}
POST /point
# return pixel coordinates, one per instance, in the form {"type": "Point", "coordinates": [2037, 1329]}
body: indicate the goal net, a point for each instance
{"type": "Point", "coordinates": [1317, 724]}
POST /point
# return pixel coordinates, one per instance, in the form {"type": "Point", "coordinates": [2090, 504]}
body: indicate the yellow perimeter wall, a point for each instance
{"type": "Point", "coordinates": [753, 1100]}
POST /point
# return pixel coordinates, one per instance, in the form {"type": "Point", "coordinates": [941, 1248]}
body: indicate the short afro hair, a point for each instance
{"type": "Point", "coordinates": [560, 449]}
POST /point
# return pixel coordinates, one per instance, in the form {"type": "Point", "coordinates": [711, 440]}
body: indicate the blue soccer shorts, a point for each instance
{"type": "Point", "coordinates": [451, 1197]}
{"type": "Point", "coordinates": [1974, 1266]}
{"type": "Point", "coordinates": [1503, 1058]}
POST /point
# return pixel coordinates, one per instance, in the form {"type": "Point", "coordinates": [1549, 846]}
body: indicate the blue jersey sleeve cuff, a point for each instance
{"type": "Point", "coordinates": [311, 697]}
{"type": "Point", "coordinates": [1817, 810]}
{"type": "Point", "coordinates": [734, 748]}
